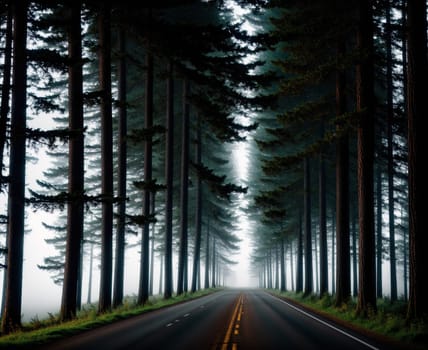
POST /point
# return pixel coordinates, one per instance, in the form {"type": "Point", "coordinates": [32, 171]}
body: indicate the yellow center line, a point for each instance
{"type": "Point", "coordinates": [240, 311]}
{"type": "Point", "coordinates": [231, 323]}
{"type": "Point", "coordinates": [238, 319]}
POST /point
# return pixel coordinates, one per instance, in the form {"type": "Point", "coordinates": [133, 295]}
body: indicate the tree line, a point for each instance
{"type": "Point", "coordinates": [145, 99]}
{"type": "Point", "coordinates": [336, 89]}
{"type": "Point", "coordinates": [339, 176]}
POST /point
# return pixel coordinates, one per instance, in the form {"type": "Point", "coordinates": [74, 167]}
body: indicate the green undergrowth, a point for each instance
{"type": "Point", "coordinates": [389, 320]}
{"type": "Point", "coordinates": [37, 332]}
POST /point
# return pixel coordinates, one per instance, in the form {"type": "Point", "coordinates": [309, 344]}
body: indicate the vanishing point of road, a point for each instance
{"type": "Point", "coordinates": [226, 320]}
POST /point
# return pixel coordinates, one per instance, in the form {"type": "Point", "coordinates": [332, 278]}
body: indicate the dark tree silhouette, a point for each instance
{"type": "Point", "coordinates": [169, 180]}
{"type": "Point", "coordinates": [75, 177]}
{"type": "Point", "coordinates": [365, 107]}
{"type": "Point", "coordinates": [307, 227]}
{"type": "Point", "coordinates": [122, 171]}
{"type": "Point", "coordinates": [343, 290]}
{"type": "Point", "coordinates": [5, 87]}
{"type": "Point", "coordinates": [15, 234]}
{"type": "Point", "coordinates": [198, 214]}
{"type": "Point", "coordinates": [417, 74]}
{"type": "Point", "coordinates": [143, 292]}
{"type": "Point", "coordinates": [184, 188]}
{"type": "Point", "coordinates": [104, 32]}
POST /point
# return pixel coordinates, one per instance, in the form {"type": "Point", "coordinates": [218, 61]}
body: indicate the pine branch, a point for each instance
{"type": "Point", "coordinates": [59, 201]}
{"type": "Point", "coordinates": [49, 137]}
{"type": "Point", "coordinates": [48, 186]}
{"type": "Point", "coordinates": [49, 59]}
{"type": "Point", "coordinates": [52, 264]}
{"type": "Point", "coordinates": [151, 186]}
{"type": "Point", "coordinates": [141, 220]}
{"type": "Point", "coordinates": [45, 104]}
{"type": "Point", "coordinates": [4, 219]}
{"type": "Point", "coordinates": [216, 182]}
{"type": "Point", "coordinates": [47, 202]}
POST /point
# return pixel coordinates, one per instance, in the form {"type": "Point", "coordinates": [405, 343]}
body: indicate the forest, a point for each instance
{"type": "Point", "coordinates": [138, 106]}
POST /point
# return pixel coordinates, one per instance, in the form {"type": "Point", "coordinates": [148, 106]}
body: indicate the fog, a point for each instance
{"type": "Point", "coordinates": [41, 296]}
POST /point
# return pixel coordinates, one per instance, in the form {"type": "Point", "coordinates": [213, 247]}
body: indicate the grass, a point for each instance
{"type": "Point", "coordinates": [389, 321]}
{"type": "Point", "coordinates": [38, 332]}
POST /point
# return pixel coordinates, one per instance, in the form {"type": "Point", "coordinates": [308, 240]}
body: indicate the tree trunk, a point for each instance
{"type": "Point", "coordinates": [169, 179]}
{"type": "Point", "coordinates": [405, 103]}
{"type": "Point", "coordinates": [80, 278]}
{"type": "Point", "coordinates": [5, 87]}
{"type": "Point", "coordinates": [121, 176]}
{"type": "Point", "coordinates": [365, 136]}
{"type": "Point", "coordinates": [91, 266]}
{"type": "Point", "coordinates": [299, 262]}
{"type": "Point", "coordinates": [106, 159]}
{"type": "Point", "coordinates": [207, 259]}
{"type": "Point", "coordinates": [184, 195]}
{"type": "Point", "coordinates": [291, 266]}
{"type": "Point", "coordinates": [262, 277]}
{"type": "Point", "coordinates": [143, 292]}
{"type": "Point", "coordinates": [198, 216]}
{"type": "Point", "coordinates": [276, 267]}
{"type": "Point", "coordinates": [282, 265]}
{"type": "Point", "coordinates": [405, 268]}
{"type": "Point", "coordinates": [152, 243]}
{"type": "Point", "coordinates": [379, 243]}
{"type": "Point", "coordinates": [76, 171]}
{"type": "Point", "coordinates": [323, 254]}
{"type": "Point", "coordinates": [315, 243]}
{"type": "Point", "coordinates": [354, 257]}
{"type": "Point", "coordinates": [343, 271]}
{"type": "Point", "coordinates": [269, 269]}
{"type": "Point", "coordinates": [333, 255]}
{"type": "Point", "coordinates": [308, 232]}
{"type": "Point", "coordinates": [213, 264]}
{"type": "Point", "coordinates": [417, 74]}
{"type": "Point", "coordinates": [322, 282]}
{"type": "Point", "coordinates": [11, 320]}
{"type": "Point", "coordinates": [390, 119]}
{"type": "Point", "coordinates": [161, 278]}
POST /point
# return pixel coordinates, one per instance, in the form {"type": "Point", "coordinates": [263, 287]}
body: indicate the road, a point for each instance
{"type": "Point", "coordinates": [225, 320]}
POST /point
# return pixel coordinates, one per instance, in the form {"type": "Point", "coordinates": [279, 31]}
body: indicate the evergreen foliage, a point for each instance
{"type": "Point", "coordinates": [137, 106]}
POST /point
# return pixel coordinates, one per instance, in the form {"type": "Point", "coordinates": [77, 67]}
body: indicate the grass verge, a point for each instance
{"type": "Point", "coordinates": [38, 332]}
{"type": "Point", "coordinates": [389, 321]}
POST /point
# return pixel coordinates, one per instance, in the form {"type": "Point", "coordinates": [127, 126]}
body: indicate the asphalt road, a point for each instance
{"type": "Point", "coordinates": [230, 319]}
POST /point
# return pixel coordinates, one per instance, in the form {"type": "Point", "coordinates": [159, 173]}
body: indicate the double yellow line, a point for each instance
{"type": "Point", "coordinates": [234, 324]}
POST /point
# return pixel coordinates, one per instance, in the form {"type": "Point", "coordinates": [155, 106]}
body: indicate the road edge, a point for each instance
{"type": "Point", "coordinates": [350, 327]}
